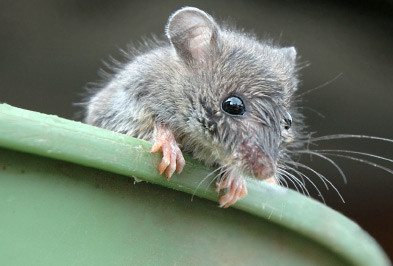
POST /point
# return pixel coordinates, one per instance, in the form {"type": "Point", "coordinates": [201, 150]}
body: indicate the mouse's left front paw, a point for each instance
{"type": "Point", "coordinates": [172, 157]}
{"type": "Point", "coordinates": [235, 189]}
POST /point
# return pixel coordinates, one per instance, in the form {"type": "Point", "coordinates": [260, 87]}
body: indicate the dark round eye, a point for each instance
{"type": "Point", "coordinates": [287, 121]}
{"type": "Point", "coordinates": [233, 105]}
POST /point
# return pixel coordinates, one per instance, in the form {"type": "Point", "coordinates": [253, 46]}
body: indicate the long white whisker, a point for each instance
{"type": "Point", "coordinates": [219, 175]}
{"type": "Point", "coordinates": [302, 186]}
{"type": "Point", "coordinates": [359, 153]}
{"type": "Point", "coordinates": [290, 180]}
{"type": "Point", "coordinates": [282, 179]}
{"type": "Point", "coordinates": [279, 182]}
{"type": "Point", "coordinates": [348, 136]}
{"type": "Point", "coordinates": [311, 109]}
{"type": "Point", "coordinates": [309, 180]}
{"type": "Point", "coordinates": [313, 152]}
{"type": "Point", "coordinates": [203, 180]}
{"type": "Point", "coordinates": [320, 176]}
{"type": "Point", "coordinates": [320, 86]}
{"type": "Point", "coordinates": [363, 161]}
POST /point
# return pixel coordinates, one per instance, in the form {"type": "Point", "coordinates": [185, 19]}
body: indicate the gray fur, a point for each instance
{"type": "Point", "coordinates": [183, 82]}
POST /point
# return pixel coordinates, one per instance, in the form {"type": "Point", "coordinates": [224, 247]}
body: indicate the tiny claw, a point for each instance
{"type": "Point", "coordinates": [156, 147]}
{"type": "Point", "coordinates": [228, 197]}
{"type": "Point", "coordinates": [241, 191]}
{"type": "Point", "coordinates": [172, 165]}
{"type": "Point", "coordinates": [223, 183]}
{"type": "Point", "coordinates": [165, 162]}
{"type": "Point", "coordinates": [180, 162]}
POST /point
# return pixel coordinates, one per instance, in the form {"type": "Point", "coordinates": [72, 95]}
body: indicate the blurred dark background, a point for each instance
{"type": "Point", "coordinates": [50, 49]}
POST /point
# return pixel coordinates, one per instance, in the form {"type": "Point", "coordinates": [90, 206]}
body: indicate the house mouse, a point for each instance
{"type": "Point", "coordinates": [219, 94]}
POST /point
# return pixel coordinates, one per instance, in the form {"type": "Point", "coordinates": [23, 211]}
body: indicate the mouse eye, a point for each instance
{"type": "Point", "coordinates": [233, 105]}
{"type": "Point", "coordinates": [287, 121]}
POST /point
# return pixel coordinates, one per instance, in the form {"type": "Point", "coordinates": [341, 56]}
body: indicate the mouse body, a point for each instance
{"type": "Point", "coordinates": [221, 95]}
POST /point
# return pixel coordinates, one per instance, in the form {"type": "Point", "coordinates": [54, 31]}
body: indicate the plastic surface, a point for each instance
{"type": "Point", "coordinates": [56, 208]}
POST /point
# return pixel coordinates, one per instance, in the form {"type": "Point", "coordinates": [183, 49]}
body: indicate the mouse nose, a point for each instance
{"type": "Point", "coordinates": [263, 169]}
{"type": "Point", "coordinates": [261, 165]}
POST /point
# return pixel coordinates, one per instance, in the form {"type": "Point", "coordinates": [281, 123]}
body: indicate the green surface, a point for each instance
{"type": "Point", "coordinates": [66, 212]}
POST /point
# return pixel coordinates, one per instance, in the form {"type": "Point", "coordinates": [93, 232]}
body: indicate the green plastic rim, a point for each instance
{"type": "Point", "coordinates": [53, 137]}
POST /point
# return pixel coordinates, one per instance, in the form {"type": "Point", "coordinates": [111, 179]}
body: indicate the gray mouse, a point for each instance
{"type": "Point", "coordinates": [211, 91]}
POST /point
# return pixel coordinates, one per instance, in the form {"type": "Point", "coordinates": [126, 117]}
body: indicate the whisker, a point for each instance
{"type": "Point", "coordinates": [277, 177]}
{"type": "Point", "coordinates": [283, 179]}
{"type": "Point", "coordinates": [309, 180]}
{"type": "Point", "coordinates": [290, 180]}
{"type": "Point", "coordinates": [281, 183]}
{"type": "Point", "coordinates": [314, 152]}
{"type": "Point", "coordinates": [349, 136]}
{"type": "Point", "coordinates": [312, 110]}
{"type": "Point", "coordinates": [288, 168]}
{"type": "Point", "coordinates": [203, 180]}
{"type": "Point", "coordinates": [320, 86]}
{"type": "Point", "coordinates": [363, 161]}
{"type": "Point", "coordinates": [302, 186]}
{"type": "Point", "coordinates": [322, 177]}
{"type": "Point", "coordinates": [219, 175]}
{"type": "Point", "coordinates": [359, 153]}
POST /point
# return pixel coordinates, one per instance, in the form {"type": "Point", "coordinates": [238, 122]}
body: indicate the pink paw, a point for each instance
{"type": "Point", "coordinates": [235, 189]}
{"type": "Point", "coordinates": [172, 157]}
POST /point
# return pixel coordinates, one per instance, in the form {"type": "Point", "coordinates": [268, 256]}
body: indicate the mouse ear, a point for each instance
{"type": "Point", "coordinates": [290, 55]}
{"type": "Point", "coordinates": [193, 33]}
{"type": "Point", "coordinates": [287, 67]}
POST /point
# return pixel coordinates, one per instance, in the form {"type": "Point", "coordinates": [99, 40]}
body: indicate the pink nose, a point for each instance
{"type": "Point", "coordinates": [271, 180]}
{"type": "Point", "coordinates": [262, 171]}
{"type": "Point", "coordinates": [261, 166]}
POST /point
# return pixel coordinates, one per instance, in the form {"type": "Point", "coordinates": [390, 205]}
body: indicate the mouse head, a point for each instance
{"type": "Point", "coordinates": [239, 90]}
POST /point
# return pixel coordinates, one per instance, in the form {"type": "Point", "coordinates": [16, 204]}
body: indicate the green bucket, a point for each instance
{"type": "Point", "coordinates": [67, 198]}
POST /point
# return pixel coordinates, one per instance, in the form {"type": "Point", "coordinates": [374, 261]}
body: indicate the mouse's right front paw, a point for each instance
{"type": "Point", "coordinates": [234, 188]}
{"type": "Point", "coordinates": [172, 156]}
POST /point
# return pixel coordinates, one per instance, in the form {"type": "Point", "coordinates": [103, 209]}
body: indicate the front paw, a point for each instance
{"type": "Point", "coordinates": [234, 189]}
{"type": "Point", "coordinates": [172, 157]}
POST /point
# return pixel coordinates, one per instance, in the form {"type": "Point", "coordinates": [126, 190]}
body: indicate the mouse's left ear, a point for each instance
{"type": "Point", "coordinates": [290, 55]}
{"type": "Point", "coordinates": [288, 66]}
{"type": "Point", "coordinates": [193, 33]}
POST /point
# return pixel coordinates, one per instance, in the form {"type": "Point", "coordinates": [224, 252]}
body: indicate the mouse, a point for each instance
{"type": "Point", "coordinates": [219, 94]}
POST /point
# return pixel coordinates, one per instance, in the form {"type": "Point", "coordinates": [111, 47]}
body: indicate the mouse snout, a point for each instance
{"type": "Point", "coordinates": [257, 161]}
{"type": "Point", "coordinates": [263, 170]}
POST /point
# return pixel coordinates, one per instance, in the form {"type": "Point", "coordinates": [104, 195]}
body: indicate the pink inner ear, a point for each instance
{"type": "Point", "coordinates": [199, 42]}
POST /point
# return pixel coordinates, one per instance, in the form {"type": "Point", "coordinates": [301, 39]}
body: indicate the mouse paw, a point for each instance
{"type": "Point", "coordinates": [172, 157]}
{"type": "Point", "coordinates": [235, 189]}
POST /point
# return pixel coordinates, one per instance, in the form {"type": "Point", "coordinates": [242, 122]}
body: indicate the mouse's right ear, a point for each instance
{"type": "Point", "coordinates": [193, 33]}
